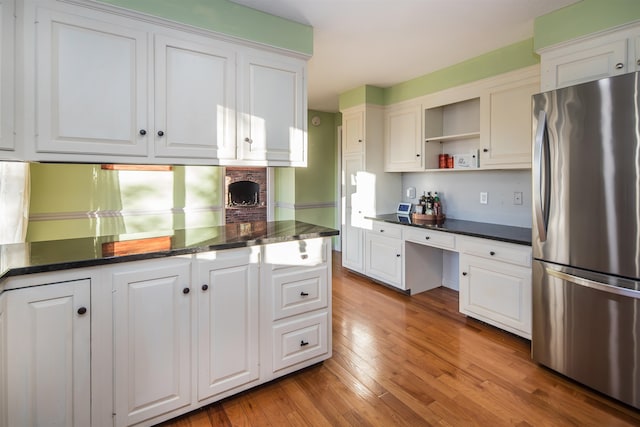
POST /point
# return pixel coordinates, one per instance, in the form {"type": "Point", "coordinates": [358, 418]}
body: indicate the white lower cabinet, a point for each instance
{"type": "Point", "coordinates": [152, 338]}
{"type": "Point", "coordinates": [384, 254]}
{"type": "Point", "coordinates": [45, 333]}
{"type": "Point", "coordinates": [298, 308]}
{"type": "Point", "coordinates": [495, 284]}
{"type": "Point", "coordinates": [228, 320]}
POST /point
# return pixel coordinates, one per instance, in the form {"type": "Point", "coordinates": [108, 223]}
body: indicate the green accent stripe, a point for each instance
{"type": "Point", "coordinates": [509, 58]}
{"type": "Point", "coordinates": [585, 17]}
{"type": "Point", "coordinates": [229, 18]}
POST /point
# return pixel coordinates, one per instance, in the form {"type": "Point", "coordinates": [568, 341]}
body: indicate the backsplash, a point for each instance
{"type": "Point", "coordinates": [460, 194]}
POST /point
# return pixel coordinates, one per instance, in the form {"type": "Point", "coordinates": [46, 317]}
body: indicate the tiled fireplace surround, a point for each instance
{"type": "Point", "coordinates": [245, 210]}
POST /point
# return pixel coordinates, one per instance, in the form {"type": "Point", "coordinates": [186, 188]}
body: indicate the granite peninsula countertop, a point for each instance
{"type": "Point", "coordinates": [503, 233]}
{"type": "Point", "coordinates": [37, 257]}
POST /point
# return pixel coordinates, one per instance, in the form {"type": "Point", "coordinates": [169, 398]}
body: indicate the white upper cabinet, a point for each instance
{"type": "Point", "coordinates": [273, 113]}
{"type": "Point", "coordinates": [600, 55]}
{"type": "Point", "coordinates": [91, 87]}
{"type": "Point", "coordinates": [353, 131]}
{"type": "Point", "coordinates": [194, 98]}
{"type": "Point", "coordinates": [119, 87]}
{"type": "Point", "coordinates": [7, 61]}
{"type": "Point", "coordinates": [403, 138]}
{"type": "Point", "coordinates": [505, 135]}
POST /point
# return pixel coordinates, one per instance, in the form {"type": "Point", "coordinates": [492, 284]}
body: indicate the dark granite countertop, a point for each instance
{"type": "Point", "coordinates": [503, 233]}
{"type": "Point", "coordinates": [38, 257]}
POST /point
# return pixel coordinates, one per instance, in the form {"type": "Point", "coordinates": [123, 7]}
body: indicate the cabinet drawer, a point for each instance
{"type": "Point", "coordinates": [295, 253]}
{"type": "Point", "coordinates": [430, 238]}
{"type": "Point", "coordinates": [505, 252]}
{"type": "Point", "coordinates": [387, 229]}
{"type": "Point", "coordinates": [300, 340]}
{"type": "Point", "coordinates": [297, 292]}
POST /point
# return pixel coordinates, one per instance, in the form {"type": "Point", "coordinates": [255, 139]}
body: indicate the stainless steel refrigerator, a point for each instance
{"type": "Point", "coordinates": [586, 234]}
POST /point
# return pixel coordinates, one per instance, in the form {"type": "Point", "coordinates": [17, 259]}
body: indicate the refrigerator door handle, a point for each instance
{"type": "Point", "coordinates": [593, 284]}
{"type": "Point", "coordinates": [540, 212]}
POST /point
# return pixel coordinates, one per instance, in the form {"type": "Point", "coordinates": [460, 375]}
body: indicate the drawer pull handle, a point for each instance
{"type": "Point", "coordinates": [464, 273]}
{"type": "Point", "coordinates": [427, 238]}
{"type": "Point", "coordinates": [304, 256]}
{"type": "Point", "coordinates": [619, 66]}
{"type": "Point", "coordinates": [492, 253]}
{"type": "Point", "coordinates": [186, 291]}
{"type": "Point", "coordinates": [398, 255]}
{"type": "Point", "coordinates": [205, 287]}
{"type": "Point", "coordinates": [303, 343]}
{"type": "Point", "coordinates": [82, 310]}
{"type": "Point", "coordinates": [304, 294]}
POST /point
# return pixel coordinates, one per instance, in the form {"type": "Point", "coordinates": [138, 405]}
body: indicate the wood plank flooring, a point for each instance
{"type": "Point", "coordinates": [415, 361]}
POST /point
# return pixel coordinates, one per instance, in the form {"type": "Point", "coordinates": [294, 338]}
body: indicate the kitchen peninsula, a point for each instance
{"type": "Point", "coordinates": [138, 329]}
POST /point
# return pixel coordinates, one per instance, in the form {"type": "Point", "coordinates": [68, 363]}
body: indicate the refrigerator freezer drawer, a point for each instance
{"type": "Point", "coordinates": [587, 330]}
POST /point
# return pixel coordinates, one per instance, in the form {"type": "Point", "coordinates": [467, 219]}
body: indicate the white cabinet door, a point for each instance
{"type": "Point", "coordinates": [403, 139]}
{"type": "Point", "coordinates": [228, 322]}
{"type": "Point", "coordinates": [7, 61]}
{"type": "Point", "coordinates": [353, 132]}
{"type": "Point", "coordinates": [353, 220]}
{"type": "Point", "coordinates": [195, 101]}
{"type": "Point", "coordinates": [506, 134]}
{"type": "Point", "coordinates": [383, 258]}
{"type": "Point", "coordinates": [273, 110]}
{"type": "Point", "coordinates": [3, 363]}
{"type": "Point", "coordinates": [590, 60]}
{"type": "Point", "coordinates": [91, 86]}
{"type": "Point", "coordinates": [48, 330]}
{"type": "Point", "coordinates": [152, 339]}
{"type": "Point", "coordinates": [497, 293]}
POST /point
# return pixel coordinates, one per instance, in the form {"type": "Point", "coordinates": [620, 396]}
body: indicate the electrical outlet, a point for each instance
{"type": "Point", "coordinates": [517, 197]}
{"type": "Point", "coordinates": [484, 198]}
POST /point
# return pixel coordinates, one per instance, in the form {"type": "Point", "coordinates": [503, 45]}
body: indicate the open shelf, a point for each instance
{"type": "Point", "coordinates": [456, 137]}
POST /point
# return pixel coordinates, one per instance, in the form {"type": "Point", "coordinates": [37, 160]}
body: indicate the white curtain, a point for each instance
{"type": "Point", "coordinates": [14, 201]}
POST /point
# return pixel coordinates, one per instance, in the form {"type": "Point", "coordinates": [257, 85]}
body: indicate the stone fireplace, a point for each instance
{"type": "Point", "coordinates": [245, 194]}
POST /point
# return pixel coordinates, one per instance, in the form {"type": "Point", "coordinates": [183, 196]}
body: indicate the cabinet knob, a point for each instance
{"type": "Point", "coordinates": [492, 253]}
{"type": "Point", "coordinates": [619, 66]}
{"type": "Point", "coordinates": [82, 310]}
{"type": "Point", "coordinates": [359, 140]}
{"type": "Point", "coordinates": [205, 287]}
{"type": "Point", "coordinates": [186, 291]}
{"type": "Point", "coordinates": [464, 273]}
{"type": "Point", "coordinates": [304, 294]}
{"type": "Point", "coordinates": [160, 133]}
{"type": "Point", "coordinates": [248, 140]}
{"type": "Point", "coordinates": [638, 62]}
{"type": "Point", "coordinates": [143, 132]}
{"type": "Point", "coordinates": [485, 150]}
{"type": "Point", "coordinates": [303, 343]}
{"type": "Point", "coordinates": [427, 237]}
{"type": "Point", "coordinates": [382, 231]}
{"type": "Point", "coordinates": [417, 155]}
{"type": "Point", "coordinates": [398, 255]}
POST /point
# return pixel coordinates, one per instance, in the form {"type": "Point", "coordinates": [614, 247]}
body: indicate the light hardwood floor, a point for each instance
{"type": "Point", "coordinates": [415, 361]}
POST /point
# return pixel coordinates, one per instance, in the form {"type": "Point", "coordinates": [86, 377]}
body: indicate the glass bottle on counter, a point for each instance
{"type": "Point", "coordinates": [437, 206]}
{"type": "Point", "coordinates": [423, 203]}
{"type": "Point", "coordinates": [429, 204]}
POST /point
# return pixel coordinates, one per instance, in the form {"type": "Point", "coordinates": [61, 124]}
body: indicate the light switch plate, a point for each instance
{"type": "Point", "coordinates": [484, 198]}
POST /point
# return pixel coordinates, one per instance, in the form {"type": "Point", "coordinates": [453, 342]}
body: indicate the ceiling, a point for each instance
{"type": "Point", "coordinates": [385, 42]}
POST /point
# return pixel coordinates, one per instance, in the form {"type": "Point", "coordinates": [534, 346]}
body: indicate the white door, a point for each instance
{"type": "Point", "coordinates": [92, 85]}
{"type": "Point", "coordinates": [273, 110]}
{"type": "Point", "coordinates": [152, 345]}
{"type": "Point", "coordinates": [194, 99]}
{"type": "Point", "coordinates": [7, 63]}
{"type": "Point", "coordinates": [228, 323]}
{"type": "Point", "coordinates": [49, 356]}
{"type": "Point", "coordinates": [353, 221]}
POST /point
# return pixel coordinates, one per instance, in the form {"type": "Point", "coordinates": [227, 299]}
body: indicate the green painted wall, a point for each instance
{"type": "Point", "coordinates": [587, 16]}
{"type": "Point", "coordinates": [66, 197]}
{"type": "Point", "coordinates": [362, 95]}
{"type": "Point", "coordinates": [229, 18]}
